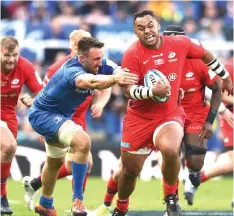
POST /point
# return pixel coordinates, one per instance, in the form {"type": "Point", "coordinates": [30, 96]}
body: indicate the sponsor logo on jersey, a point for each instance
{"type": "Point", "coordinates": [158, 61]}
{"type": "Point", "coordinates": [57, 119]}
{"type": "Point", "coordinates": [159, 55]}
{"type": "Point", "coordinates": [3, 83]}
{"type": "Point", "coordinates": [191, 90]}
{"type": "Point", "coordinates": [125, 144]}
{"type": "Point", "coordinates": [15, 81]}
{"type": "Point", "coordinates": [144, 62]}
{"type": "Point", "coordinates": [84, 91]}
{"type": "Point", "coordinates": [172, 77]}
{"type": "Point", "coordinates": [171, 55]}
{"type": "Point", "coordinates": [189, 74]}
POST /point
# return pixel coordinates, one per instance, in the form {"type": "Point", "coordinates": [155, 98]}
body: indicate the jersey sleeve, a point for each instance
{"type": "Point", "coordinates": [208, 76]}
{"type": "Point", "coordinates": [33, 80]}
{"type": "Point", "coordinates": [72, 74]}
{"type": "Point", "coordinates": [195, 50]}
{"type": "Point", "coordinates": [131, 61]}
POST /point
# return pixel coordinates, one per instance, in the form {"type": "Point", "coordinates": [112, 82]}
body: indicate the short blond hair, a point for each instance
{"type": "Point", "coordinates": [77, 35]}
{"type": "Point", "coordinates": [9, 43]}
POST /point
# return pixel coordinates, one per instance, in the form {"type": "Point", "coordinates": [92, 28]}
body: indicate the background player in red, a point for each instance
{"type": "Point", "coordinates": [101, 97]}
{"type": "Point", "coordinates": [196, 76]}
{"type": "Point", "coordinates": [148, 123]}
{"type": "Point", "coordinates": [224, 162]}
{"type": "Point", "coordinates": [15, 72]}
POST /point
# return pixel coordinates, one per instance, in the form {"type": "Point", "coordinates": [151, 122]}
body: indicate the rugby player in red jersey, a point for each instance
{"type": "Point", "coordinates": [101, 97]}
{"type": "Point", "coordinates": [148, 123]}
{"type": "Point", "coordinates": [224, 162]}
{"type": "Point", "coordinates": [196, 76]}
{"type": "Point", "coordinates": [15, 72]}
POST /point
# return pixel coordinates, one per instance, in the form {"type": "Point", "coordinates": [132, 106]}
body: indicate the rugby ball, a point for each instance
{"type": "Point", "coordinates": [151, 77]}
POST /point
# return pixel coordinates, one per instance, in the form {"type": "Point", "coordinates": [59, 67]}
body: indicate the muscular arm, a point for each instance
{"type": "Point", "coordinates": [216, 95]}
{"type": "Point", "coordinates": [90, 81]}
{"type": "Point", "coordinates": [215, 65]}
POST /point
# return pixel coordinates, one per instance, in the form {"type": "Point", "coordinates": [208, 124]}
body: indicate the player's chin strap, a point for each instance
{"type": "Point", "coordinates": [141, 92]}
{"type": "Point", "coordinates": [216, 66]}
{"type": "Point", "coordinates": [194, 150]}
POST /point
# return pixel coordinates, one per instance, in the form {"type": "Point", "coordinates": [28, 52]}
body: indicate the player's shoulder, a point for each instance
{"type": "Point", "coordinates": [24, 66]}
{"type": "Point", "coordinates": [23, 62]}
{"type": "Point", "coordinates": [133, 49]}
{"type": "Point", "coordinates": [176, 40]}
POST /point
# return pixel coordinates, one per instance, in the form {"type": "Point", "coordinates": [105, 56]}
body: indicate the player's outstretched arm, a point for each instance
{"type": "Point", "coordinates": [215, 65]}
{"type": "Point", "coordinates": [91, 81]}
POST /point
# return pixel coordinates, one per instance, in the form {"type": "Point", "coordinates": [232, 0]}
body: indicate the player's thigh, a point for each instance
{"type": "Point", "coordinates": [132, 163]}
{"type": "Point", "coordinates": [8, 141]}
{"type": "Point", "coordinates": [168, 138]}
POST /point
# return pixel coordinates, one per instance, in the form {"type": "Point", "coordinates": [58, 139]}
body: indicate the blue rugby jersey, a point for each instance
{"type": "Point", "coordinates": [61, 95]}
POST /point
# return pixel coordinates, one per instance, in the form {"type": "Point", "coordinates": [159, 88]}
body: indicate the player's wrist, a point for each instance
{"type": "Point", "coordinates": [113, 77]}
{"type": "Point", "coordinates": [141, 92]}
{"type": "Point", "coordinates": [211, 116]}
{"type": "Point", "coordinates": [216, 66]}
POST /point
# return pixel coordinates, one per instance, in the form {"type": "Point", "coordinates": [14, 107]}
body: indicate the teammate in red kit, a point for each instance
{"type": "Point", "coordinates": [224, 162]}
{"type": "Point", "coordinates": [15, 72]}
{"type": "Point", "coordinates": [196, 76]}
{"type": "Point", "coordinates": [149, 124]}
{"type": "Point", "coordinates": [31, 185]}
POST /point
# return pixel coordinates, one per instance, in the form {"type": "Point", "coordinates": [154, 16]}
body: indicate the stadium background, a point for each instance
{"type": "Point", "coordinates": [43, 28]}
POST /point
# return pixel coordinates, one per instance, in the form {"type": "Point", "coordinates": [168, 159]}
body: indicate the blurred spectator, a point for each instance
{"type": "Point", "coordinates": [190, 27]}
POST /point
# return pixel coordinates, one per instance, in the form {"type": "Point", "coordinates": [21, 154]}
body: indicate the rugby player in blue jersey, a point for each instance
{"type": "Point", "coordinates": [52, 110]}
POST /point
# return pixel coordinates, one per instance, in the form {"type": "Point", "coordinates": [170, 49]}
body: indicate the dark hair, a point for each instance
{"type": "Point", "coordinates": [9, 43]}
{"type": "Point", "coordinates": [144, 13]}
{"type": "Point", "coordinates": [87, 43]}
{"type": "Point", "coordinates": [174, 30]}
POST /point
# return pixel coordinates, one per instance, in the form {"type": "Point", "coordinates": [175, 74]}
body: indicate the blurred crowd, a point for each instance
{"type": "Point", "coordinates": [204, 20]}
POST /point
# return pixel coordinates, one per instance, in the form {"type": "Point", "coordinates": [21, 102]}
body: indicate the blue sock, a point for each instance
{"type": "Point", "coordinates": [78, 172]}
{"type": "Point", "coordinates": [46, 202]}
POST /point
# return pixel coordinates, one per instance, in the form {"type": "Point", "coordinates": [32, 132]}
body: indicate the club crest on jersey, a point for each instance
{"type": "Point", "coordinates": [172, 77]}
{"type": "Point", "coordinates": [15, 81]}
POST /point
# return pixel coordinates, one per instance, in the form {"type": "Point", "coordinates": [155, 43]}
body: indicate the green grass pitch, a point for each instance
{"type": "Point", "coordinates": [212, 195]}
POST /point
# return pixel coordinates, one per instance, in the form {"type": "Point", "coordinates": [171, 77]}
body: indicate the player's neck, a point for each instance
{"type": "Point", "coordinates": [159, 43]}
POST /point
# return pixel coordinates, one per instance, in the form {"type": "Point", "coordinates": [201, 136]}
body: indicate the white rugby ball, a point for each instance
{"type": "Point", "coordinates": [151, 77]}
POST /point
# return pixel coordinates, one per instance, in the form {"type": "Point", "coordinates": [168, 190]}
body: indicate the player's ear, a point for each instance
{"type": "Point", "coordinates": [81, 59]}
{"type": "Point", "coordinates": [159, 27]}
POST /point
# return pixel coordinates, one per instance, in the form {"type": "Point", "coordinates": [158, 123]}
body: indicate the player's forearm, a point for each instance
{"type": "Point", "coordinates": [215, 65]}
{"type": "Point", "coordinates": [214, 102]}
{"type": "Point", "coordinates": [95, 81]}
{"type": "Point", "coordinates": [103, 97]}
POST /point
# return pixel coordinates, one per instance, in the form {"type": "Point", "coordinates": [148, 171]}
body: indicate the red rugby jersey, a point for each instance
{"type": "Point", "coordinates": [11, 85]}
{"type": "Point", "coordinates": [195, 77]}
{"type": "Point", "coordinates": [169, 59]}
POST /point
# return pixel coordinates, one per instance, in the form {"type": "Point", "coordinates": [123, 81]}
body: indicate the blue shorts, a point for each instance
{"type": "Point", "coordinates": [46, 123]}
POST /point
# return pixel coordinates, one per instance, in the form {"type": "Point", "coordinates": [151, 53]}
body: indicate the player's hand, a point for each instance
{"type": "Point", "coordinates": [227, 116]}
{"type": "Point", "coordinates": [161, 89]}
{"type": "Point", "coordinates": [181, 93]}
{"type": "Point", "coordinates": [123, 77]}
{"type": "Point", "coordinates": [27, 100]}
{"type": "Point", "coordinates": [96, 110]}
{"type": "Point", "coordinates": [227, 85]}
{"type": "Point", "coordinates": [206, 131]}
